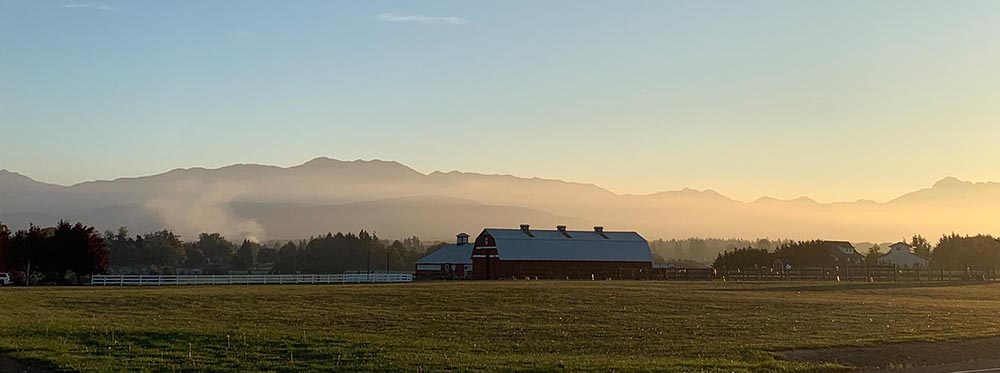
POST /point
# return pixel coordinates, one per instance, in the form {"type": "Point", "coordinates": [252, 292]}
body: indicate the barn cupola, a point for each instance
{"type": "Point", "coordinates": [562, 229]}
{"type": "Point", "coordinates": [527, 230]}
{"type": "Point", "coordinates": [600, 231]}
{"type": "Point", "coordinates": [462, 239]}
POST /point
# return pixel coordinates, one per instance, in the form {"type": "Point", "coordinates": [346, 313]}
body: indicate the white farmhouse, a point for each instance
{"type": "Point", "coordinates": [901, 255]}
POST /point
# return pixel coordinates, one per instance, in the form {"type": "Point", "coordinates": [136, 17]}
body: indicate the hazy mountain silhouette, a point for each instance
{"type": "Point", "coordinates": [425, 216]}
{"type": "Point", "coordinates": [390, 198]}
{"type": "Point", "coordinates": [951, 190]}
{"type": "Point", "coordinates": [19, 193]}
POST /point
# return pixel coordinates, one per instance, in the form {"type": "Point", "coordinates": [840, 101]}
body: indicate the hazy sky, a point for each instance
{"type": "Point", "coordinates": [837, 100]}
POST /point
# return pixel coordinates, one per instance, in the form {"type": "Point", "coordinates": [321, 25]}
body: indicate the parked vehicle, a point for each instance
{"type": "Point", "coordinates": [5, 279]}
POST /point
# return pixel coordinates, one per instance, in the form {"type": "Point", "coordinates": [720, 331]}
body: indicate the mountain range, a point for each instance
{"type": "Point", "coordinates": [323, 195]}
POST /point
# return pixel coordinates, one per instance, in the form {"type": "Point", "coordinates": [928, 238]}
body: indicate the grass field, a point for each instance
{"type": "Point", "coordinates": [536, 325]}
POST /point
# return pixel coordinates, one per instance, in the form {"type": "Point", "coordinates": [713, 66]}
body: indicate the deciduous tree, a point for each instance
{"type": "Point", "coordinates": [874, 253]}
{"type": "Point", "coordinates": [215, 248]}
{"type": "Point", "coordinates": [77, 248]}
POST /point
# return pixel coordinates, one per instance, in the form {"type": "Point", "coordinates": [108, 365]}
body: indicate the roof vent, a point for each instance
{"type": "Point", "coordinates": [562, 229]}
{"type": "Point", "coordinates": [462, 239]}
{"type": "Point", "coordinates": [525, 229]}
{"type": "Point", "coordinates": [600, 230]}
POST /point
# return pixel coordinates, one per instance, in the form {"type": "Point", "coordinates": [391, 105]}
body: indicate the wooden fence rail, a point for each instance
{"type": "Point", "coordinates": [164, 280]}
{"type": "Point", "coordinates": [879, 273]}
{"type": "Point", "coordinates": [683, 274]}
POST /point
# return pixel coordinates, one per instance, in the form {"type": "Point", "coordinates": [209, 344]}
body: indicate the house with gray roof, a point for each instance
{"type": "Point", "coordinates": [844, 253]}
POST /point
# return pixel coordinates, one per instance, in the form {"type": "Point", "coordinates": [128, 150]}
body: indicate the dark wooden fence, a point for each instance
{"type": "Point", "coordinates": [879, 273]}
{"type": "Point", "coordinates": [683, 274]}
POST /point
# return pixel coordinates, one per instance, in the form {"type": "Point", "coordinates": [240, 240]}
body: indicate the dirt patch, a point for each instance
{"type": "Point", "coordinates": [904, 355]}
{"type": "Point", "coordinates": [9, 365]}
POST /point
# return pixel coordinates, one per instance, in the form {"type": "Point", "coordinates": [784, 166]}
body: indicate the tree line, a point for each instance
{"type": "Point", "coordinates": [704, 249]}
{"type": "Point", "coordinates": [815, 253]}
{"type": "Point", "coordinates": [164, 252]}
{"type": "Point", "coordinates": [59, 255]}
{"type": "Point", "coordinates": [951, 251]}
{"type": "Point", "coordinates": [67, 253]}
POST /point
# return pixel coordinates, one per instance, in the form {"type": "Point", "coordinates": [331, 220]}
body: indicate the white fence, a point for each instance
{"type": "Point", "coordinates": [158, 280]}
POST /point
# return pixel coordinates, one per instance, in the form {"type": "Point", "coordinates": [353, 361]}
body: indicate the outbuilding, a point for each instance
{"type": "Point", "coordinates": [560, 253]}
{"type": "Point", "coordinates": [450, 262]}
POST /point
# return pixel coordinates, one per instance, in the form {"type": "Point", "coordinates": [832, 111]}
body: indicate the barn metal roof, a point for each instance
{"type": "Point", "coordinates": [514, 244]}
{"type": "Point", "coordinates": [451, 254]}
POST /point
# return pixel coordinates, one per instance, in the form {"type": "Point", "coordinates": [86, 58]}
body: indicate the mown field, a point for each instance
{"type": "Point", "coordinates": [536, 325]}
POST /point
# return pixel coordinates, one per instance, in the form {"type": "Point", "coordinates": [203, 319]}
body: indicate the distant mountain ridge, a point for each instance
{"type": "Point", "coordinates": [263, 201]}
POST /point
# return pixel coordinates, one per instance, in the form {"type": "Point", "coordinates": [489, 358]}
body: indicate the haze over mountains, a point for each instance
{"type": "Point", "coordinates": [322, 195]}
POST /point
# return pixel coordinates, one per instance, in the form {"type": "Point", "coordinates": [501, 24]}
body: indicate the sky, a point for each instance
{"type": "Point", "coordinates": [835, 100]}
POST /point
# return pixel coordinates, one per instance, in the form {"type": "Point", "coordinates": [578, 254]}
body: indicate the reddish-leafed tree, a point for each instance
{"type": "Point", "coordinates": [77, 248]}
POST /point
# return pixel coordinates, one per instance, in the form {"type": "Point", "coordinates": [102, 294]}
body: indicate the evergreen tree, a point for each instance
{"type": "Point", "coordinates": [921, 246]}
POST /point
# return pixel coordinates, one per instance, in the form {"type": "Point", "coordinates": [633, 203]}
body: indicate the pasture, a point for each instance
{"type": "Point", "coordinates": [523, 325]}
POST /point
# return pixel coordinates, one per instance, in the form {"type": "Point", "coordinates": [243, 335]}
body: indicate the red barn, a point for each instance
{"type": "Point", "coordinates": [560, 254]}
